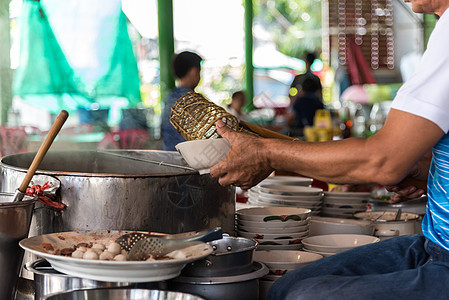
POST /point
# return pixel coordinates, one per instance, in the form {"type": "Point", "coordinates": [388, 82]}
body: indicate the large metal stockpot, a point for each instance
{"type": "Point", "coordinates": [120, 189]}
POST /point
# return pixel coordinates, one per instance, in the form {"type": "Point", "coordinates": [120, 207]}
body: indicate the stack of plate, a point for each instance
{"type": "Point", "coordinates": [275, 228]}
{"type": "Point", "coordinates": [330, 244]}
{"type": "Point", "coordinates": [343, 204]}
{"type": "Point", "coordinates": [253, 192]}
{"type": "Point", "coordinates": [288, 195]}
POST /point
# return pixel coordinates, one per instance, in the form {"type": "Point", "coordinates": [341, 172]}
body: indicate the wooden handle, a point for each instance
{"type": "Point", "coordinates": [263, 132]}
{"type": "Point", "coordinates": [51, 135]}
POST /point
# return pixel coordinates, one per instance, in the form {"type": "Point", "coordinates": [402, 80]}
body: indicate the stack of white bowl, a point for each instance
{"type": "Point", "coordinates": [287, 195]}
{"type": "Point", "coordinates": [275, 228]}
{"type": "Point", "coordinates": [330, 244]}
{"type": "Point", "coordinates": [279, 262]}
{"type": "Point", "coordinates": [344, 204]}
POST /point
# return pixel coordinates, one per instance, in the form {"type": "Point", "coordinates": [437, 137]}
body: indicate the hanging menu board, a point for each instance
{"type": "Point", "coordinates": [368, 23]}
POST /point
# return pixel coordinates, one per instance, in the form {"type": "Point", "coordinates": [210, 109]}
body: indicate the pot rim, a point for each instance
{"type": "Point", "coordinates": [248, 248]}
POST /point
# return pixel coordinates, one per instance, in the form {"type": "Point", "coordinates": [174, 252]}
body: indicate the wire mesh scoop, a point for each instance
{"type": "Point", "coordinates": [158, 246]}
{"type": "Point", "coordinates": [127, 241]}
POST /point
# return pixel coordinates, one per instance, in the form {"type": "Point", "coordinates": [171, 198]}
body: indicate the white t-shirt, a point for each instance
{"type": "Point", "coordinates": [426, 93]}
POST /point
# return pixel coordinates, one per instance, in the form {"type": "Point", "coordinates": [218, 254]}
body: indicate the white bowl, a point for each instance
{"type": "Point", "coordinates": [285, 259]}
{"type": "Point", "coordinates": [268, 230]}
{"type": "Point", "coordinates": [283, 225]}
{"type": "Point", "coordinates": [321, 226]}
{"type": "Point", "coordinates": [203, 154]}
{"type": "Point", "coordinates": [273, 214]}
{"type": "Point", "coordinates": [334, 243]}
{"type": "Point", "coordinates": [272, 236]}
{"type": "Point", "coordinates": [323, 254]}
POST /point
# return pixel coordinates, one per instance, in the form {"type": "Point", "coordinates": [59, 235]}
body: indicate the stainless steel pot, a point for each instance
{"type": "Point", "coordinates": [133, 190]}
{"type": "Point", "coordinates": [48, 281]}
{"type": "Point", "coordinates": [242, 287]}
{"type": "Point", "coordinates": [15, 221]}
{"type": "Point", "coordinates": [120, 294]}
{"type": "Point", "coordinates": [231, 256]}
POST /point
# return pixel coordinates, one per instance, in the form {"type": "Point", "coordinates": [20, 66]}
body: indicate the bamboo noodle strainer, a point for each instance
{"type": "Point", "coordinates": [194, 117]}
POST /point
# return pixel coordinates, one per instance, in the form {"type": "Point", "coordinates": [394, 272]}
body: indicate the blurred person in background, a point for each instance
{"type": "Point", "coordinates": [187, 70]}
{"type": "Point", "coordinates": [298, 81]}
{"type": "Point", "coordinates": [237, 104]}
{"type": "Point", "coordinates": [304, 107]}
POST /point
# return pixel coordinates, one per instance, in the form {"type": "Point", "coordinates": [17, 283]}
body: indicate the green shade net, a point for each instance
{"type": "Point", "coordinates": [105, 73]}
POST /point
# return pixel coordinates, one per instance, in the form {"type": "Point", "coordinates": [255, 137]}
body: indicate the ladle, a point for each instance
{"type": "Point", "coordinates": [51, 135]}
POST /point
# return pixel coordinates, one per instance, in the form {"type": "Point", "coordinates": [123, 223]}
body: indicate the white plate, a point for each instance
{"type": "Point", "coordinates": [281, 241]}
{"type": "Point", "coordinates": [294, 197]}
{"type": "Point", "coordinates": [273, 236]}
{"type": "Point", "coordinates": [265, 230]}
{"type": "Point", "coordinates": [123, 271]}
{"type": "Point", "coordinates": [279, 247]}
{"type": "Point", "coordinates": [345, 206]}
{"type": "Point", "coordinates": [289, 190]}
{"type": "Point", "coordinates": [347, 194]}
{"type": "Point", "coordinates": [342, 210]}
{"type": "Point", "coordinates": [273, 214]}
{"type": "Point", "coordinates": [349, 201]}
{"type": "Point", "coordinates": [287, 180]}
{"type": "Point", "coordinates": [306, 204]}
{"type": "Point", "coordinates": [284, 225]}
{"type": "Point", "coordinates": [290, 198]}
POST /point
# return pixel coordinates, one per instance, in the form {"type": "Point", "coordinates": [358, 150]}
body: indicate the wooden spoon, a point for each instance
{"type": "Point", "coordinates": [51, 135]}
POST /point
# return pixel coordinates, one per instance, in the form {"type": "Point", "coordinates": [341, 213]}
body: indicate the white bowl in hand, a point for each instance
{"type": "Point", "coordinates": [203, 154]}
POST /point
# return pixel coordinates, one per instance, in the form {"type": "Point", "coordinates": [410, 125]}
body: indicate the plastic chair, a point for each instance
{"type": "Point", "coordinates": [125, 139]}
{"type": "Point", "coordinates": [12, 140]}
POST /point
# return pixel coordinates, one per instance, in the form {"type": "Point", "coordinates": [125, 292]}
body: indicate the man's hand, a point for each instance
{"type": "Point", "coordinates": [404, 192]}
{"type": "Point", "coordinates": [246, 164]}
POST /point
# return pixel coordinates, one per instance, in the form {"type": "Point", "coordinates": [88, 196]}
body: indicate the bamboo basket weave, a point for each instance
{"type": "Point", "coordinates": [194, 117]}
